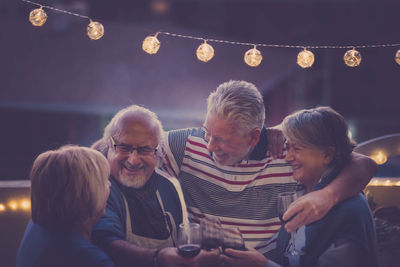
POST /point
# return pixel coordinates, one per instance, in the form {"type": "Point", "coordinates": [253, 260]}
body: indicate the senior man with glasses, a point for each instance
{"type": "Point", "coordinates": [143, 210]}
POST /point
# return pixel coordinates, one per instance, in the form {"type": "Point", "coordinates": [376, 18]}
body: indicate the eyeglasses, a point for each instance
{"type": "Point", "coordinates": [128, 149]}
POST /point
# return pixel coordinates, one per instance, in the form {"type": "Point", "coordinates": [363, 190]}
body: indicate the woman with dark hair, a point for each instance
{"type": "Point", "coordinates": [69, 190]}
{"type": "Point", "coordinates": [318, 148]}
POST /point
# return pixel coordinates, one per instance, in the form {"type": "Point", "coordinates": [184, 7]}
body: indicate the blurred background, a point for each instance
{"type": "Point", "coordinates": [59, 87]}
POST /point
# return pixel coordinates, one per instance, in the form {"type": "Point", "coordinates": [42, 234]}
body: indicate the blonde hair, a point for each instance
{"type": "Point", "coordinates": [240, 102]}
{"type": "Point", "coordinates": [68, 186]}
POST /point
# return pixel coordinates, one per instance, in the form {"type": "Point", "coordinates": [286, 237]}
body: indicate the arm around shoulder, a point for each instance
{"type": "Point", "coordinates": [315, 205]}
{"type": "Point", "coordinates": [352, 179]}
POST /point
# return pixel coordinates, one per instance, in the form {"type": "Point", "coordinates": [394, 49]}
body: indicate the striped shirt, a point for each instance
{"type": "Point", "coordinates": [243, 195]}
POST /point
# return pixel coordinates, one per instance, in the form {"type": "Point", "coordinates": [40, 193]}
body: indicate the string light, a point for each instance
{"type": "Point", "coordinates": [352, 58]}
{"type": "Point", "coordinates": [151, 44]}
{"type": "Point", "coordinates": [205, 52]}
{"type": "Point", "coordinates": [305, 59]}
{"type": "Point", "coordinates": [397, 57]}
{"type": "Point", "coordinates": [253, 57]}
{"type": "Point", "coordinates": [13, 205]}
{"type": "Point", "coordinates": [380, 158]}
{"type": "Point", "coordinates": [38, 17]}
{"type": "Point", "coordinates": [95, 30]}
{"type": "Point", "coordinates": [25, 204]}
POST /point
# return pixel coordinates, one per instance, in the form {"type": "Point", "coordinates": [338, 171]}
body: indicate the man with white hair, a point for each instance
{"type": "Point", "coordinates": [143, 209]}
{"type": "Point", "coordinates": [225, 173]}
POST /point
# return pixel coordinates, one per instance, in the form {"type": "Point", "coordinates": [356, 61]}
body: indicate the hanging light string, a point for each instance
{"type": "Point", "coordinates": [56, 9]}
{"type": "Point", "coordinates": [282, 45]}
{"type": "Point", "coordinates": [95, 30]}
{"type": "Point", "coordinates": [205, 52]}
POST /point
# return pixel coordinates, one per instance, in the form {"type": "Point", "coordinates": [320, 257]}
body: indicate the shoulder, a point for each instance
{"type": "Point", "coordinates": [356, 206]}
{"type": "Point", "coordinates": [343, 253]}
{"type": "Point", "coordinates": [88, 254]}
{"type": "Point", "coordinates": [73, 250]}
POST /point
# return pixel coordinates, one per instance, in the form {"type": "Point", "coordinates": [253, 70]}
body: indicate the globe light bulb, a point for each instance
{"type": "Point", "coordinates": [253, 57]}
{"type": "Point", "coordinates": [305, 59]}
{"type": "Point", "coordinates": [151, 44]}
{"type": "Point", "coordinates": [352, 58]}
{"type": "Point", "coordinates": [95, 30]}
{"type": "Point", "coordinates": [38, 17]}
{"type": "Point", "coordinates": [205, 52]}
{"type": "Point", "coordinates": [397, 57]}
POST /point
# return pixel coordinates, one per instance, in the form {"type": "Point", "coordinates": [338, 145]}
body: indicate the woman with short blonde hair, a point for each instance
{"type": "Point", "coordinates": [69, 190]}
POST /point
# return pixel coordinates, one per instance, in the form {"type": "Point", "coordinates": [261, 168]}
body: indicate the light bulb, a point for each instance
{"type": "Point", "coordinates": [397, 57]}
{"type": "Point", "coordinates": [305, 59]}
{"type": "Point", "coordinates": [253, 57]}
{"type": "Point", "coordinates": [205, 52]}
{"type": "Point", "coordinates": [151, 44]}
{"type": "Point", "coordinates": [95, 30]}
{"type": "Point", "coordinates": [38, 17]}
{"type": "Point", "coordinates": [380, 158]}
{"type": "Point", "coordinates": [352, 58]}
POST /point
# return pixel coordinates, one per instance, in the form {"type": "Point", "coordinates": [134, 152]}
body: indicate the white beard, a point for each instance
{"type": "Point", "coordinates": [133, 181]}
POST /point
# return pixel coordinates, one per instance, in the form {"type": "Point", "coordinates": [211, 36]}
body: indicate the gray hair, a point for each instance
{"type": "Point", "coordinates": [113, 129]}
{"type": "Point", "coordinates": [68, 186]}
{"type": "Point", "coordinates": [320, 128]}
{"type": "Point", "coordinates": [239, 102]}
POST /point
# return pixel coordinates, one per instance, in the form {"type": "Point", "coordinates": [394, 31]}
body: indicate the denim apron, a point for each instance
{"type": "Point", "coordinates": [147, 242]}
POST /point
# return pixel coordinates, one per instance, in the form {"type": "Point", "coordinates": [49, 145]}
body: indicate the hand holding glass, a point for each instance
{"type": "Point", "coordinates": [284, 201]}
{"type": "Point", "coordinates": [212, 235]}
{"type": "Point", "coordinates": [233, 239]}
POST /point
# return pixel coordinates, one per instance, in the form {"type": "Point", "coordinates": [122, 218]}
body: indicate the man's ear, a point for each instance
{"type": "Point", "coordinates": [254, 137]}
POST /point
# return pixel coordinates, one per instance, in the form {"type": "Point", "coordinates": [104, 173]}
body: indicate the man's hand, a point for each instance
{"type": "Point", "coordinates": [307, 209]}
{"type": "Point", "coordinates": [276, 141]}
{"type": "Point", "coordinates": [169, 257]}
{"type": "Point", "coordinates": [238, 258]}
{"type": "Point", "coordinates": [208, 258]}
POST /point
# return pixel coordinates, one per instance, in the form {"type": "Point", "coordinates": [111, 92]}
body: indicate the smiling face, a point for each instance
{"type": "Point", "coordinates": [134, 169]}
{"type": "Point", "coordinates": [308, 164]}
{"type": "Point", "coordinates": [228, 146]}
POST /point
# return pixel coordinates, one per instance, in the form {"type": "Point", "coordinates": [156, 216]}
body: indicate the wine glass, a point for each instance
{"type": "Point", "coordinates": [284, 201]}
{"type": "Point", "coordinates": [233, 239]}
{"type": "Point", "coordinates": [212, 235]}
{"type": "Point", "coordinates": [189, 239]}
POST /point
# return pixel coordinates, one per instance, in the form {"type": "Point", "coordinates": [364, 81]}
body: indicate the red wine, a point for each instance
{"type": "Point", "coordinates": [189, 250]}
{"type": "Point", "coordinates": [210, 243]}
